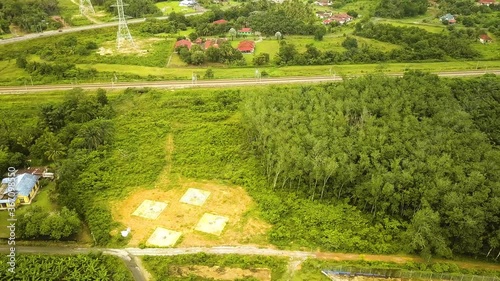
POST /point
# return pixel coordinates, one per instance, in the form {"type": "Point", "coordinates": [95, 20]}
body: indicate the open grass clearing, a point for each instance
{"type": "Point", "coordinates": [168, 7]}
{"type": "Point", "coordinates": [176, 73]}
{"type": "Point", "coordinates": [434, 26]}
{"type": "Point", "coordinates": [489, 50]}
{"type": "Point", "coordinates": [9, 72]}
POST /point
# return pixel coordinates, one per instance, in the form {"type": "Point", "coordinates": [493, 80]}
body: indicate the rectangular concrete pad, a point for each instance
{"type": "Point", "coordinates": [150, 209]}
{"type": "Point", "coordinates": [212, 224]}
{"type": "Point", "coordinates": [195, 196]}
{"type": "Point", "coordinates": [163, 238]}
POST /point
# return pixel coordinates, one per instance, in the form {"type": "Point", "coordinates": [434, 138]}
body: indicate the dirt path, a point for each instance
{"type": "Point", "coordinates": [129, 255]}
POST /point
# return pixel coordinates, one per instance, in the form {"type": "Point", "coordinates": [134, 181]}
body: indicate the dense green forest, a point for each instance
{"type": "Point", "coordinates": [29, 15]}
{"type": "Point", "coordinates": [58, 267]}
{"type": "Point", "coordinates": [402, 150]}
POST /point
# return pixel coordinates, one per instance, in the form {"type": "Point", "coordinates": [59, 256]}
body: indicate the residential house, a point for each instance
{"type": "Point", "coordinates": [324, 14]}
{"type": "Point", "coordinates": [188, 3]}
{"type": "Point", "coordinates": [484, 38]}
{"type": "Point", "coordinates": [486, 2]}
{"type": "Point", "coordinates": [449, 18]}
{"type": "Point", "coordinates": [221, 21]}
{"type": "Point", "coordinates": [340, 18]}
{"type": "Point", "coordinates": [213, 43]}
{"type": "Point", "coordinates": [183, 42]}
{"type": "Point", "coordinates": [246, 46]}
{"type": "Point", "coordinates": [323, 3]}
{"type": "Point", "coordinates": [25, 188]}
{"type": "Point", "coordinates": [245, 31]}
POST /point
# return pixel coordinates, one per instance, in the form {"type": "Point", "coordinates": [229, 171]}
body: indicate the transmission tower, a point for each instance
{"type": "Point", "coordinates": [86, 6]}
{"type": "Point", "coordinates": [123, 33]}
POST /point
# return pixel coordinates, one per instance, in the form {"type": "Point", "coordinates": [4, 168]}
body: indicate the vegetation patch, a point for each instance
{"type": "Point", "coordinates": [218, 267]}
{"type": "Point", "coordinates": [59, 267]}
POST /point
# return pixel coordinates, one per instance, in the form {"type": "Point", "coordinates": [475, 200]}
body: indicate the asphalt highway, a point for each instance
{"type": "Point", "coordinates": [218, 83]}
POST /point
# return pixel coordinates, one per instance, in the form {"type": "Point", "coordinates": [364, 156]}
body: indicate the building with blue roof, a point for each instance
{"type": "Point", "coordinates": [25, 188]}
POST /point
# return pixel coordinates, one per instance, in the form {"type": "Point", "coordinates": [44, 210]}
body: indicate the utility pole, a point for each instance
{"type": "Point", "coordinates": [85, 7]}
{"type": "Point", "coordinates": [123, 33]}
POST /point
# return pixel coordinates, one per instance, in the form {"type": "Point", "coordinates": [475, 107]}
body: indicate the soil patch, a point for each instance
{"type": "Point", "coordinates": [181, 217]}
{"type": "Point", "coordinates": [222, 273]}
{"type": "Point", "coordinates": [142, 47]}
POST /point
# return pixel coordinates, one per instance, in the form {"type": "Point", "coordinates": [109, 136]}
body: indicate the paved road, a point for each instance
{"type": "Point", "coordinates": [129, 255]}
{"type": "Point", "coordinates": [219, 83]}
{"type": "Point", "coordinates": [76, 29]}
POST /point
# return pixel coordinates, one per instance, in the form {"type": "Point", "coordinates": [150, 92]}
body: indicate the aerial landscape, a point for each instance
{"type": "Point", "coordinates": [250, 140]}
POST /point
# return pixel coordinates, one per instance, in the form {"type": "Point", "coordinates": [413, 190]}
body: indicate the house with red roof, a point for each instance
{"type": "Point", "coordinates": [213, 43]}
{"type": "Point", "coordinates": [340, 18]}
{"type": "Point", "coordinates": [324, 14]}
{"type": "Point", "coordinates": [246, 46]}
{"type": "Point", "coordinates": [221, 21]}
{"type": "Point", "coordinates": [484, 38]}
{"type": "Point", "coordinates": [245, 31]}
{"type": "Point", "coordinates": [182, 43]}
{"type": "Point", "coordinates": [486, 2]}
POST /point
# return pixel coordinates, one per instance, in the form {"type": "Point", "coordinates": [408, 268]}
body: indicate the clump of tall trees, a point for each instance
{"type": "Point", "coordinates": [402, 150]}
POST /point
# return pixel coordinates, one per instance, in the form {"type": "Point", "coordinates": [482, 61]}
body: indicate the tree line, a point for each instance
{"type": "Point", "coordinates": [420, 43]}
{"type": "Point", "coordinates": [402, 150]}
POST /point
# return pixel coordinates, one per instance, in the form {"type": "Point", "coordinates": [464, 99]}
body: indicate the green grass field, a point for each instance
{"type": "Point", "coordinates": [173, 6]}
{"type": "Point", "coordinates": [490, 51]}
{"type": "Point", "coordinates": [321, 70]}
{"type": "Point", "coordinates": [433, 26]}
{"type": "Point", "coordinates": [10, 74]}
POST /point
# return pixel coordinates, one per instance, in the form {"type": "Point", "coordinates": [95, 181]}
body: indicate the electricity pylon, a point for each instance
{"type": "Point", "coordinates": [86, 6]}
{"type": "Point", "coordinates": [123, 33]}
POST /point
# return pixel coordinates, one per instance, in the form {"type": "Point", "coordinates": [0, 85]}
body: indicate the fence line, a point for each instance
{"type": "Point", "coordinates": [403, 274]}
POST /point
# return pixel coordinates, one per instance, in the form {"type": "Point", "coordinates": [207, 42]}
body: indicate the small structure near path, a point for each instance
{"type": "Point", "coordinates": [212, 224]}
{"type": "Point", "coordinates": [162, 237]}
{"type": "Point", "coordinates": [150, 209]}
{"type": "Point", "coordinates": [194, 196]}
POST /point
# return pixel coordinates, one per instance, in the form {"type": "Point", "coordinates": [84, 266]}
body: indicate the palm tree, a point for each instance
{"type": "Point", "coordinates": [232, 32]}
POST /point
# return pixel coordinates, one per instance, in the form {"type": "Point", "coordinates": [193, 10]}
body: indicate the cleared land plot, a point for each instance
{"type": "Point", "coordinates": [163, 238]}
{"type": "Point", "coordinates": [150, 209]}
{"type": "Point", "coordinates": [222, 273]}
{"type": "Point", "coordinates": [168, 7]}
{"type": "Point", "coordinates": [182, 217]}
{"type": "Point", "coordinates": [195, 197]}
{"type": "Point", "coordinates": [436, 28]}
{"type": "Point", "coordinates": [9, 72]}
{"type": "Point", "coordinates": [488, 50]}
{"type": "Point", "coordinates": [212, 224]}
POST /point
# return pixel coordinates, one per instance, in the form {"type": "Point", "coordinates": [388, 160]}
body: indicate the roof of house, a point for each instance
{"type": "Point", "coordinates": [485, 37]}
{"type": "Point", "coordinates": [183, 42]}
{"type": "Point", "coordinates": [221, 21]}
{"type": "Point", "coordinates": [246, 46]}
{"type": "Point", "coordinates": [245, 29]}
{"type": "Point", "coordinates": [486, 1]}
{"type": "Point", "coordinates": [24, 183]}
{"type": "Point", "coordinates": [447, 17]}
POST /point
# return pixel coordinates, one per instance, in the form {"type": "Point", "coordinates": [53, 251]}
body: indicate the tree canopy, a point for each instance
{"type": "Point", "coordinates": [396, 148]}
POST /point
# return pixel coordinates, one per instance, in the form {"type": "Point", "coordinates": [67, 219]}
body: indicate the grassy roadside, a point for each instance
{"type": "Point", "coordinates": [323, 70]}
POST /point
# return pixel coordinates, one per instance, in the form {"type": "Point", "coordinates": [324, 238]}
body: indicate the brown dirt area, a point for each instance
{"type": "Point", "coordinates": [223, 273]}
{"type": "Point", "coordinates": [143, 45]}
{"type": "Point", "coordinates": [183, 217]}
